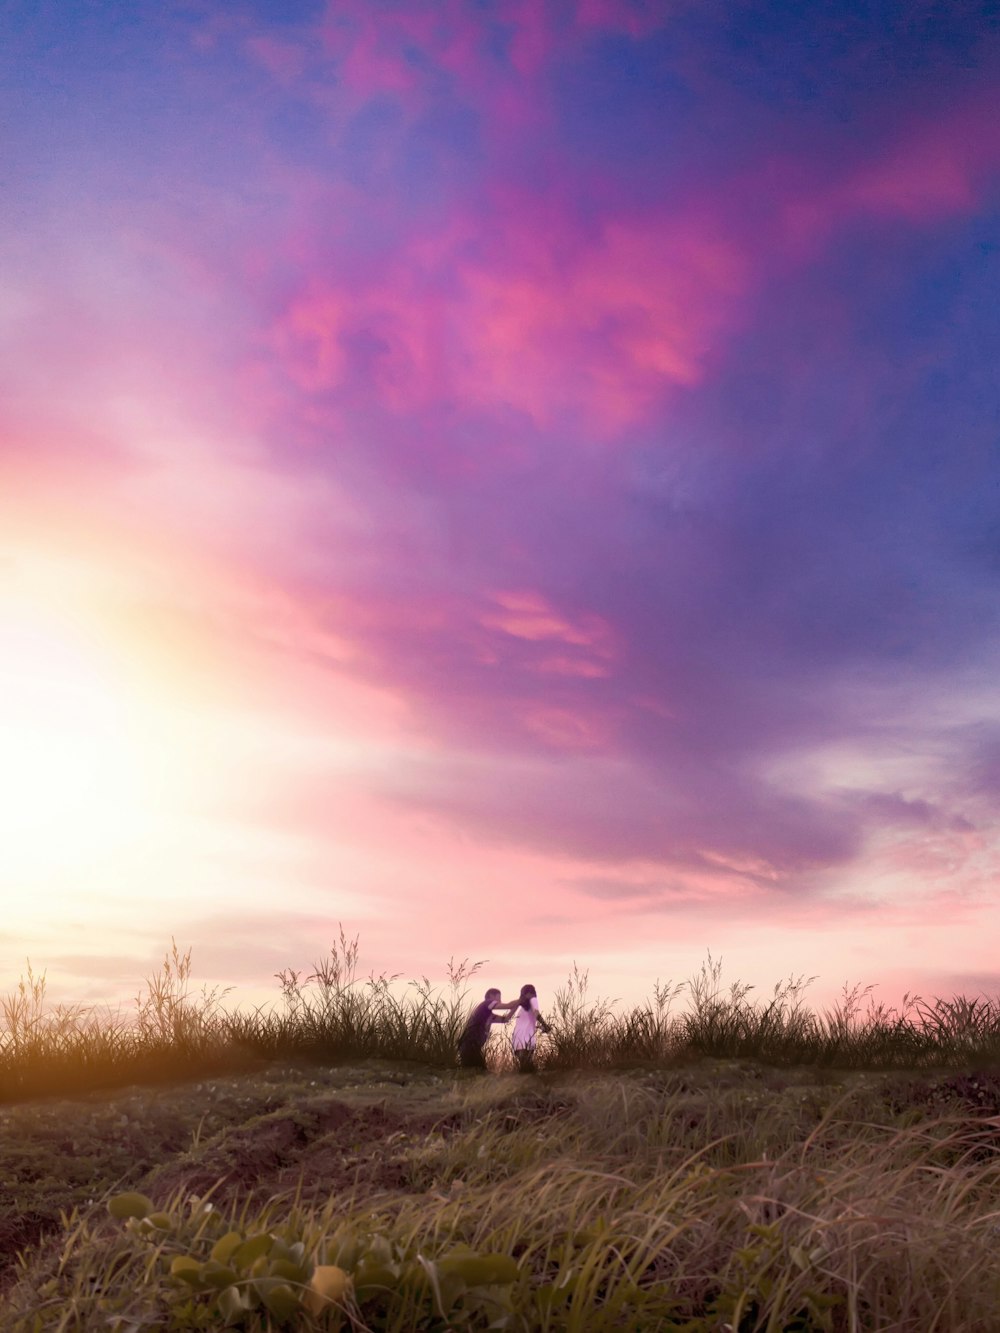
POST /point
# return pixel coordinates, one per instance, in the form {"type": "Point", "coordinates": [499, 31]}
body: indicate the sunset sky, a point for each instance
{"type": "Point", "coordinates": [517, 477]}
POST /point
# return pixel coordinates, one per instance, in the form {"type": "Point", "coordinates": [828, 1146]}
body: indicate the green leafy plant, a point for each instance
{"type": "Point", "coordinates": [227, 1274]}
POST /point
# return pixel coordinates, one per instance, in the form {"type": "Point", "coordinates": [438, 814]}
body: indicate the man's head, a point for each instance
{"type": "Point", "coordinates": [492, 995]}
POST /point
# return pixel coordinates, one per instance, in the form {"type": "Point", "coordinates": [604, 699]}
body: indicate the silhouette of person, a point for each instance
{"type": "Point", "coordinates": [477, 1029]}
{"type": "Point", "coordinates": [526, 1021]}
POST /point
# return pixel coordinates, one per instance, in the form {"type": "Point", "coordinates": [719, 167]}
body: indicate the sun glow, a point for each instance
{"type": "Point", "coordinates": [70, 768]}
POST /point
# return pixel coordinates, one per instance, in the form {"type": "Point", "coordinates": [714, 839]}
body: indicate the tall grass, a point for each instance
{"type": "Point", "coordinates": [331, 1014]}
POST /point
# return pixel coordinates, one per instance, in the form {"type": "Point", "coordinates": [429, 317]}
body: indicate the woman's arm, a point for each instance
{"type": "Point", "coordinates": [509, 1005]}
{"type": "Point", "coordinates": [539, 1020]}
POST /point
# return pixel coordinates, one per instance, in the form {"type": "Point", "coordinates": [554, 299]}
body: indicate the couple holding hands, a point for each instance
{"type": "Point", "coordinates": [524, 1011]}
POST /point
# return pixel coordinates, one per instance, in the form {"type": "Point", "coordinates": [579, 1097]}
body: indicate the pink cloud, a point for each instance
{"type": "Point", "coordinates": [413, 54]}
{"type": "Point", "coordinates": [491, 58]}
{"type": "Point", "coordinates": [603, 333]}
{"type": "Point", "coordinates": [517, 305]}
{"type": "Point", "coordinates": [529, 615]}
{"type": "Point", "coordinates": [568, 666]}
{"type": "Point", "coordinates": [629, 16]}
{"type": "Point", "coordinates": [522, 631]}
{"type": "Point", "coordinates": [309, 341]}
{"type": "Point", "coordinates": [398, 48]}
{"type": "Point", "coordinates": [961, 857]}
{"type": "Point", "coordinates": [546, 323]}
{"type": "Point", "coordinates": [564, 729]}
{"type": "Point", "coordinates": [370, 50]}
{"type": "Point", "coordinates": [516, 302]}
{"type": "Point", "coordinates": [475, 666]}
{"type": "Point", "coordinates": [935, 167]}
{"type": "Point", "coordinates": [285, 60]}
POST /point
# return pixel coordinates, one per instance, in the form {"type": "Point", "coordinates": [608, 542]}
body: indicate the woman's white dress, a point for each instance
{"type": "Point", "coordinates": [525, 1022]}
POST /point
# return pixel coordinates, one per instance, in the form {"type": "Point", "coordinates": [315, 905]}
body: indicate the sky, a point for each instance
{"type": "Point", "coordinates": [518, 478]}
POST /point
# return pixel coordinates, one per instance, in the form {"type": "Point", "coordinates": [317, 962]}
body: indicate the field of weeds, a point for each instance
{"type": "Point", "coordinates": [719, 1195]}
{"type": "Point", "coordinates": [738, 1166]}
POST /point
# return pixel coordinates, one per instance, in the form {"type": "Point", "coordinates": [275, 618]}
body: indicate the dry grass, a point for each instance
{"type": "Point", "coordinates": [738, 1165]}
{"type": "Point", "coordinates": [721, 1195]}
{"type": "Point", "coordinates": [330, 1015]}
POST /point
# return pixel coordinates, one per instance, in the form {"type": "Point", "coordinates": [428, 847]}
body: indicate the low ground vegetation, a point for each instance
{"type": "Point", "coordinates": [736, 1166]}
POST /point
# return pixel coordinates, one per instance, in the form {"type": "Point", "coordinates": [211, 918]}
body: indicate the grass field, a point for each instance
{"type": "Point", "coordinates": [198, 1170]}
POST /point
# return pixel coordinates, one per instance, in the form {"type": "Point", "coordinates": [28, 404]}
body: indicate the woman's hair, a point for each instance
{"type": "Point", "coordinates": [528, 993]}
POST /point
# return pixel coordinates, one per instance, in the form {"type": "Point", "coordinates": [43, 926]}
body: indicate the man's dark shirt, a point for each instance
{"type": "Point", "coordinates": [478, 1027]}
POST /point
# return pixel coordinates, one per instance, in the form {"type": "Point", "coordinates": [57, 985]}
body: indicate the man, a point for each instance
{"type": "Point", "coordinates": [477, 1029]}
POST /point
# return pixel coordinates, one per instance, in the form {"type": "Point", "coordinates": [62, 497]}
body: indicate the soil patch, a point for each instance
{"type": "Point", "coordinates": [327, 1145]}
{"type": "Point", "coordinates": [978, 1093]}
{"type": "Point", "coordinates": [528, 1108]}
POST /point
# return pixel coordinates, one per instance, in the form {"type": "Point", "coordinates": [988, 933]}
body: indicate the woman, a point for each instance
{"type": "Point", "coordinates": [526, 1019]}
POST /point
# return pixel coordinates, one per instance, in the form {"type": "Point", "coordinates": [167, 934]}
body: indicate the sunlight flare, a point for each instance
{"type": "Point", "coordinates": [71, 772]}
